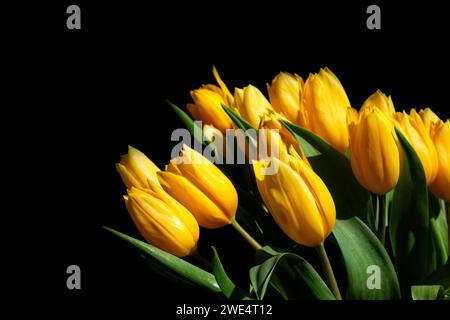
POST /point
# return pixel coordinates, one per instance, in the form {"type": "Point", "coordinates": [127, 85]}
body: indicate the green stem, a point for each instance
{"type": "Point", "coordinates": [382, 219]}
{"type": "Point", "coordinates": [255, 245]}
{"type": "Point", "coordinates": [328, 271]}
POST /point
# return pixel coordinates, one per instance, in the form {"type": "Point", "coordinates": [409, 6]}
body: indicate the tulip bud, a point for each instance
{"type": "Point", "coordinates": [207, 107]}
{"type": "Point", "coordinates": [323, 108]}
{"type": "Point", "coordinates": [162, 221]}
{"type": "Point", "coordinates": [297, 198]}
{"type": "Point", "coordinates": [253, 105]}
{"type": "Point", "coordinates": [201, 187]}
{"type": "Point", "coordinates": [429, 118]}
{"type": "Point", "coordinates": [441, 137]}
{"type": "Point", "coordinates": [381, 101]}
{"type": "Point", "coordinates": [136, 169]}
{"type": "Point", "coordinates": [285, 93]}
{"type": "Point", "coordinates": [375, 157]}
{"type": "Point", "coordinates": [417, 135]}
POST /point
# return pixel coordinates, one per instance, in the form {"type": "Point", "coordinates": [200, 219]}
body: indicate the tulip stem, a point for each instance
{"type": "Point", "coordinates": [255, 245]}
{"type": "Point", "coordinates": [328, 271]}
{"type": "Point", "coordinates": [382, 218]}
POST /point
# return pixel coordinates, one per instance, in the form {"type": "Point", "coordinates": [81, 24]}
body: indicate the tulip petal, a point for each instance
{"type": "Point", "coordinates": [143, 168]}
{"type": "Point", "coordinates": [375, 157]}
{"type": "Point", "coordinates": [292, 199]}
{"type": "Point", "coordinates": [323, 108]}
{"type": "Point", "coordinates": [205, 211]}
{"type": "Point", "coordinates": [441, 185]}
{"type": "Point", "coordinates": [163, 222]}
{"type": "Point", "coordinates": [414, 130]}
{"type": "Point", "coordinates": [128, 177]}
{"type": "Point", "coordinates": [203, 174]}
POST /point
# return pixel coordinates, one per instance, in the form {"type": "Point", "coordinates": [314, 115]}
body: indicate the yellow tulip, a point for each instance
{"type": "Point", "coordinates": [323, 108]}
{"type": "Point", "coordinates": [381, 101]}
{"type": "Point", "coordinates": [201, 187]}
{"type": "Point", "coordinates": [297, 198]}
{"type": "Point", "coordinates": [162, 221]}
{"type": "Point", "coordinates": [441, 138]}
{"type": "Point", "coordinates": [253, 105]}
{"type": "Point", "coordinates": [417, 135]}
{"type": "Point", "coordinates": [207, 107]}
{"type": "Point", "coordinates": [136, 169]}
{"type": "Point", "coordinates": [429, 118]}
{"type": "Point", "coordinates": [285, 93]}
{"type": "Point", "coordinates": [375, 157]}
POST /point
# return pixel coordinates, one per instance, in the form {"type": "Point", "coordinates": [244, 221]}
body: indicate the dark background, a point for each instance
{"type": "Point", "coordinates": [104, 87]}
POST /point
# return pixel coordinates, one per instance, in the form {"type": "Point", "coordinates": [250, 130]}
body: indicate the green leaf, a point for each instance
{"type": "Point", "coordinates": [185, 270]}
{"type": "Point", "coordinates": [193, 128]}
{"type": "Point", "coordinates": [163, 271]}
{"type": "Point", "coordinates": [229, 289]}
{"type": "Point", "coordinates": [366, 262]}
{"type": "Point", "coordinates": [439, 277]}
{"type": "Point", "coordinates": [311, 144]}
{"type": "Point", "coordinates": [237, 119]}
{"type": "Point", "coordinates": [409, 226]}
{"type": "Point", "coordinates": [350, 198]}
{"type": "Point", "coordinates": [388, 197]}
{"type": "Point", "coordinates": [291, 275]}
{"type": "Point", "coordinates": [439, 228]}
{"type": "Point", "coordinates": [243, 124]}
{"type": "Point", "coordinates": [426, 292]}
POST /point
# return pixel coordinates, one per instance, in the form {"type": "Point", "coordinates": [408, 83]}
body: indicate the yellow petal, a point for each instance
{"type": "Point", "coordinates": [223, 86]}
{"type": "Point", "coordinates": [429, 118]}
{"type": "Point", "coordinates": [300, 205]}
{"type": "Point", "coordinates": [142, 166]}
{"type": "Point", "coordinates": [441, 185]}
{"type": "Point", "coordinates": [210, 180]}
{"type": "Point", "coordinates": [285, 93]}
{"type": "Point", "coordinates": [375, 158]}
{"type": "Point", "coordinates": [415, 132]}
{"type": "Point", "coordinates": [128, 177]}
{"type": "Point", "coordinates": [381, 101]}
{"type": "Point", "coordinates": [170, 228]}
{"type": "Point", "coordinates": [208, 108]}
{"type": "Point", "coordinates": [323, 109]}
{"type": "Point", "coordinates": [205, 211]}
{"type": "Point", "coordinates": [254, 105]}
{"type": "Point", "coordinates": [238, 98]}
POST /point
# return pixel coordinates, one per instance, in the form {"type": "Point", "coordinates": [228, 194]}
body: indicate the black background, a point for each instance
{"type": "Point", "coordinates": [100, 88]}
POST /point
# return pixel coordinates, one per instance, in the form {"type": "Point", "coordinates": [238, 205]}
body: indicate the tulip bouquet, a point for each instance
{"type": "Point", "coordinates": [369, 188]}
